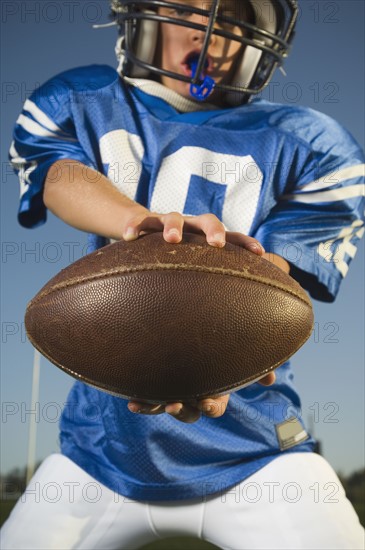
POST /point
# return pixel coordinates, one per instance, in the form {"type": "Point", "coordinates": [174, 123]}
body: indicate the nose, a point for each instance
{"type": "Point", "coordinates": [196, 35]}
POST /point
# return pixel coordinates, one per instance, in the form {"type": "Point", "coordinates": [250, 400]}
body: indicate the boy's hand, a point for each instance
{"type": "Point", "coordinates": [213, 407]}
{"type": "Point", "coordinates": [174, 224]}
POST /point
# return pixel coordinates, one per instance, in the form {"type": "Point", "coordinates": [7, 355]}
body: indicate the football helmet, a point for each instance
{"type": "Point", "coordinates": [268, 30]}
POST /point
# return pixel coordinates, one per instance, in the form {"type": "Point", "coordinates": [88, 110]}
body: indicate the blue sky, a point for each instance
{"type": "Point", "coordinates": [324, 71]}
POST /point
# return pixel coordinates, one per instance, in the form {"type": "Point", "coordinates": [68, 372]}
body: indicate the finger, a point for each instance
{"type": "Point", "coordinates": [214, 407]}
{"type": "Point", "coordinates": [141, 222]}
{"type": "Point", "coordinates": [172, 227]}
{"type": "Point", "coordinates": [145, 408]}
{"type": "Point", "coordinates": [268, 379]}
{"type": "Point", "coordinates": [212, 227]}
{"type": "Point", "coordinates": [183, 412]}
{"type": "Point", "coordinates": [245, 241]}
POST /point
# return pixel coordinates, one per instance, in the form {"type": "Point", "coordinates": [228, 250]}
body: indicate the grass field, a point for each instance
{"type": "Point", "coordinates": [360, 510]}
{"type": "Point", "coordinates": [5, 509]}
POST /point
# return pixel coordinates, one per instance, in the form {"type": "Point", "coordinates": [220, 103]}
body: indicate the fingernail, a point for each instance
{"type": "Point", "coordinates": [217, 240]}
{"type": "Point", "coordinates": [207, 408]}
{"type": "Point", "coordinates": [256, 247]}
{"type": "Point", "coordinates": [134, 408]}
{"type": "Point", "coordinates": [176, 412]}
{"type": "Point", "coordinates": [173, 233]}
{"type": "Point", "coordinates": [130, 234]}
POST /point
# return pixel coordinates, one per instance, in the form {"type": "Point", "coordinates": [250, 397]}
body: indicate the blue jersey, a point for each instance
{"type": "Point", "coordinates": [289, 176]}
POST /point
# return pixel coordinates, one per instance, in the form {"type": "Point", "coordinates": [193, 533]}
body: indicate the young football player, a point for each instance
{"type": "Point", "coordinates": [175, 141]}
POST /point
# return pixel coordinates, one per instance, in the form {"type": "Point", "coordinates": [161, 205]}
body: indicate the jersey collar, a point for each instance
{"type": "Point", "coordinates": [180, 103]}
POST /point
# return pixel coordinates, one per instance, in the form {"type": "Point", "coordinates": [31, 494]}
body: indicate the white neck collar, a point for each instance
{"type": "Point", "coordinates": [177, 101]}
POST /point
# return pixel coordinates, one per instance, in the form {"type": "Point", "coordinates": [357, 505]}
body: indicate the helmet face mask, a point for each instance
{"type": "Point", "coordinates": [266, 28]}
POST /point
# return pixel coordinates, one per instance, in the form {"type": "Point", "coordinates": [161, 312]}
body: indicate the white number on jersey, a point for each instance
{"type": "Point", "coordinates": [241, 177]}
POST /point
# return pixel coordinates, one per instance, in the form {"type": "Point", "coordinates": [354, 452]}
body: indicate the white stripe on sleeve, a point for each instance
{"type": "Point", "coordinates": [343, 193]}
{"type": "Point", "coordinates": [14, 154]}
{"type": "Point", "coordinates": [41, 117]}
{"type": "Point", "coordinates": [24, 168]}
{"type": "Point", "coordinates": [343, 246]}
{"type": "Point", "coordinates": [36, 129]}
{"type": "Point", "coordinates": [334, 178]}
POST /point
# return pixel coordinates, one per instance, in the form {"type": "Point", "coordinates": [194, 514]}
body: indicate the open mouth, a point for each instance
{"type": "Point", "coordinates": [190, 62]}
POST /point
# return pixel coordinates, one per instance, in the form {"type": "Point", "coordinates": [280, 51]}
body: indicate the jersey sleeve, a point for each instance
{"type": "Point", "coordinates": [319, 219]}
{"type": "Point", "coordinates": [43, 134]}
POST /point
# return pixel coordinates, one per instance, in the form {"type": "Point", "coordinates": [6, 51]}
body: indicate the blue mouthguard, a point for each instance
{"type": "Point", "coordinates": [201, 91]}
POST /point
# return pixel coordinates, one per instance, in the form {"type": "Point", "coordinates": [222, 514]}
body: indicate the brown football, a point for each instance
{"type": "Point", "coordinates": [164, 322]}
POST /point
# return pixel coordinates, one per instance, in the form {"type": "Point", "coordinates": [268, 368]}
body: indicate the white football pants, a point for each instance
{"type": "Point", "coordinates": [295, 502]}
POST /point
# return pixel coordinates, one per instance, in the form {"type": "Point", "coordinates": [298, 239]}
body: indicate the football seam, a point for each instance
{"type": "Point", "coordinates": [167, 267]}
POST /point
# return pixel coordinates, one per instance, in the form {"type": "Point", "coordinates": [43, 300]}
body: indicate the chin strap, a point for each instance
{"type": "Point", "coordinates": [202, 90]}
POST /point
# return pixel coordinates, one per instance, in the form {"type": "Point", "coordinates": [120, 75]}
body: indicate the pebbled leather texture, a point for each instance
{"type": "Point", "coordinates": [165, 322]}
